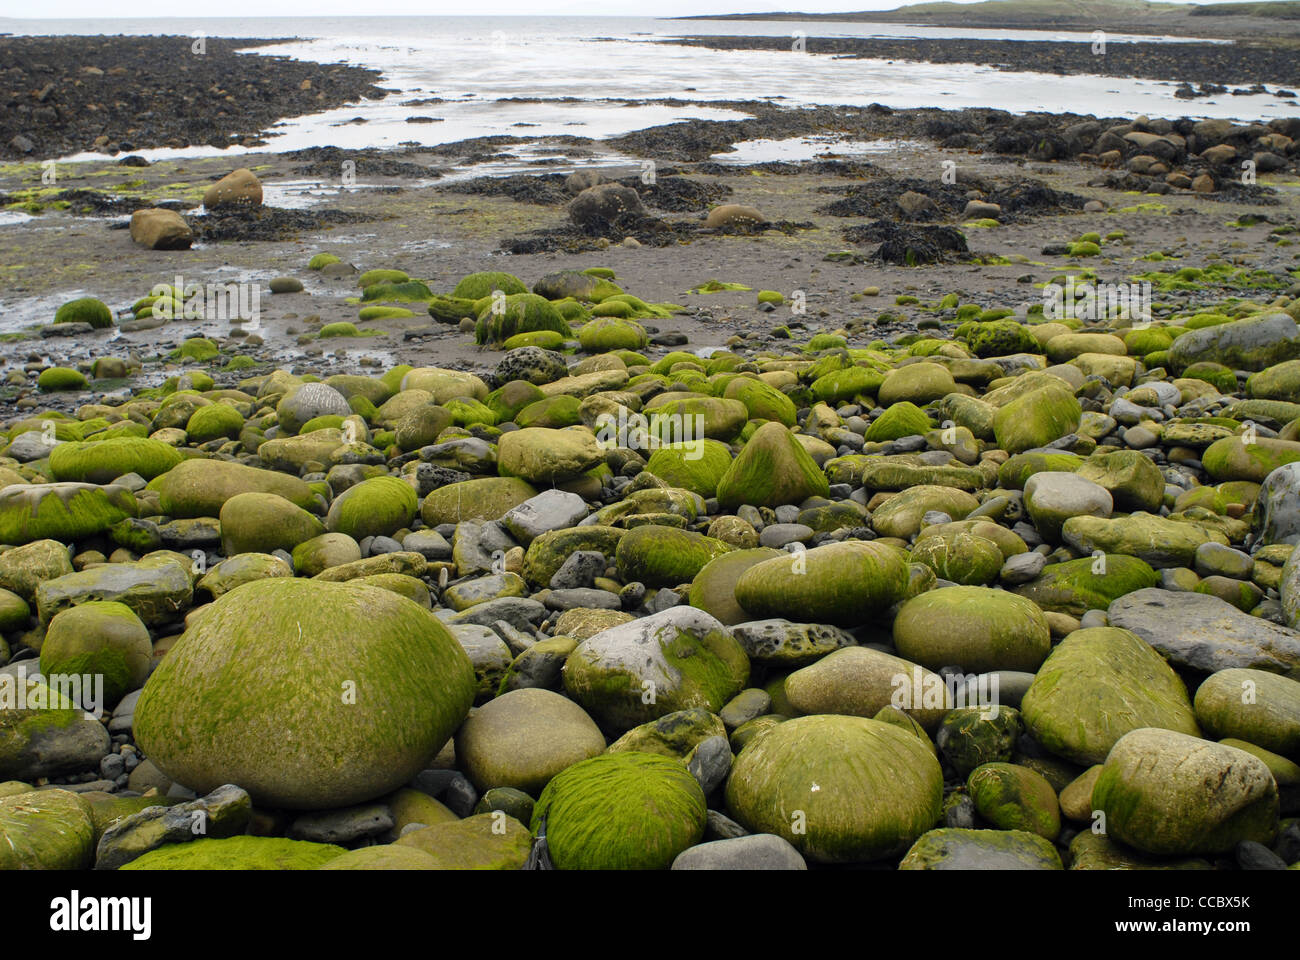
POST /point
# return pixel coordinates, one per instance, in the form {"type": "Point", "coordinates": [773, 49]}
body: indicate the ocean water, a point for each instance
{"type": "Point", "coordinates": [590, 76]}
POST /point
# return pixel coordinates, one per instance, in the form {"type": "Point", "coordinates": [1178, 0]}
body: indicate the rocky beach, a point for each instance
{"type": "Point", "coordinates": [925, 499]}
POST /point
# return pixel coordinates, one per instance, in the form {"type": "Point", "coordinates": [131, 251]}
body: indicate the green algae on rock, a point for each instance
{"type": "Point", "coordinates": [308, 694]}
{"type": "Point", "coordinates": [61, 511]}
{"type": "Point", "coordinates": [839, 789]}
{"type": "Point", "coordinates": [628, 811]}
{"type": "Point", "coordinates": [840, 583]}
{"type": "Point", "coordinates": [238, 853]}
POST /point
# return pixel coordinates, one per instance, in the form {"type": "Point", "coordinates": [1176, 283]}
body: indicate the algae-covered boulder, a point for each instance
{"type": "Point", "coordinates": [900, 515]}
{"type": "Point", "coordinates": [1247, 458]}
{"type": "Point", "coordinates": [1012, 797]}
{"type": "Point", "coordinates": [263, 522]}
{"type": "Point", "coordinates": [542, 456]}
{"type": "Point", "coordinates": [384, 856]}
{"type": "Point", "coordinates": [377, 507]}
{"type": "Point", "coordinates": [713, 589]}
{"type": "Point", "coordinates": [308, 694]}
{"type": "Point", "coordinates": [85, 310]}
{"type": "Point", "coordinates": [524, 738]}
{"type": "Point", "coordinates": [23, 569]}
{"type": "Point", "coordinates": [970, 736]}
{"type": "Point", "coordinates": [643, 669]}
{"type": "Point", "coordinates": [958, 848]}
{"type": "Point", "coordinates": [1250, 344]}
{"type": "Point", "coordinates": [840, 583]}
{"type": "Point", "coordinates": [483, 498]}
{"type": "Point", "coordinates": [44, 732]}
{"type": "Point", "coordinates": [103, 461]}
{"type": "Point", "coordinates": [762, 400]}
{"type": "Point", "coordinates": [199, 488]}
{"type": "Point", "coordinates": [1133, 481]}
{"type": "Point", "coordinates": [1251, 705]}
{"type": "Point", "coordinates": [690, 417]}
{"type": "Point", "coordinates": [99, 638]}
{"type": "Point", "coordinates": [158, 588]}
{"type": "Point", "coordinates": [861, 681]}
{"type": "Point", "coordinates": [1036, 418]}
{"type": "Point", "coordinates": [547, 553]}
{"type": "Point", "coordinates": [1098, 685]}
{"type": "Point", "coordinates": [977, 628]}
{"type": "Point", "coordinates": [1153, 791]}
{"type": "Point", "coordinates": [518, 313]}
{"type": "Point", "coordinates": [238, 853]}
{"type": "Point", "coordinates": [61, 511]}
{"type": "Point", "coordinates": [902, 419]}
{"type": "Point", "coordinates": [46, 830]}
{"type": "Point", "coordinates": [959, 556]}
{"type": "Point", "coordinates": [839, 789]}
{"type": "Point", "coordinates": [238, 570]}
{"type": "Point", "coordinates": [1158, 541]}
{"type": "Point", "coordinates": [620, 811]}
{"type": "Point", "coordinates": [772, 469]}
{"type": "Point", "coordinates": [660, 556]}
{"type": "Point", "coordinates": [697, 467]}
{"type": "Point", "coordinates": [605, 334]}
{"type": "Point", "coordinates": [484, 841]}
{"type": "Point", "coordinates": [1091, 583]}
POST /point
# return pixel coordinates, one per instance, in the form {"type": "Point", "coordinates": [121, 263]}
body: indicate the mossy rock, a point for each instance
{"type": "Point", "coordinates": [308, 694]}
{"type": "Point", "coordinates": [543, 456]}
{"type": "Point", "coordinates": [475, 286]}
{"type": "Point", "coordinates": [66, 512]}
{"type": "Point", "coordinates": [957, 848]}
{"type": "Point", "coordinates": [1157, 540]}
{"type": "Point", "coordinates": [900, 515]}
{"type": "Point", "coordinates": [713, 588]}
{"type": "Point", "coordinates": [960, 557]}
{"type": "Point", "coordinates": [862, 682]}
{"type": "Point", "coordinates": [696, 466]}
{"type": "Point", "coordinates": [322, 260]}
{"type": "Point", "coordinates": [199, 488]}
{"type": "Point", "coordinates": [716, 418]}
{"type": "Point", "coordinates": [839, 583]}
{"type": "Point", "coordinates": [1091, 583]}
{"type": "Point", "coordinates": [382, 275]}
{"type": "Point", "coordinates": [917, 383]}
{"type": "Point", "coordinates": [377, 507]}
{"type": "Point", "coordinates": [238, 570]}
{"type": "Point", "coordinates": [85, 310]}
{"type": "Point", "coordinates": [902, 419]}
{"type": "Point", "coordinates": [1132, 479]}
{"type": "Point", "coordinates": [1251, 705]}
{"type": "Point", "coordinates": [263, 523]}
{"type": "Point", "coordinates": [643, 669]}
{"type": "Point", "coordinates": [973, 735]}
{"type": "Point", "coordinates": [46, 830]}
{"type": "Point", "coordinates": [522, 313]}
{"type": "Point", "coordinates": [1152, 790]}
{"type": "Point", "coordinates": [217, 421]}
{"type": "Point", "coordinates": [1012, 797]}
{"type": "Point", "coordinates": [484, 498]}
{"type": "Point", "coordinates": [761, 400]}
{"type": "Point", "coordinates": [1099, 684]}
{"type": "Point", "coordinates": [484, 841]}
{"type": "Point", "coordinates": [772, 469]}
{"type": "Point", "coordinates": [407, 291]}
{"type": "Point", "coordinates": [238, 853]}
{"type": "Point", "coordinates": [977, 628]}
{"type": "Point", "coordinates": [661, 556]}
{"type": "Point", "coordinates": [620, 811]}
{"type": "Point", "coordinates": [839, 386]}
{"type": "Point", "coordinates": [547, 553]}
{"type": "Point", "coordinates": [327, 550]}
{"type": "Point", "coordinates": [545, 339]}
{"type": "Point", "coordinates": [61, 378]}
{"type": "Point", "coordinates": [103, 461]}
{"type": "Point", "coordinates": [878, 787]}
{"type": "Point", "coordinates": [99, 638]}
{"type": "Point", "coordinates": [1002, 338]}
{"type": "Point", "coordinates": [1036, 419]}
{"type": "Point", "coordinates": [158, 587]}
{"type": "Point", "coordinates": [550, 412]}
{"type": "Point", "coordinates": [1232, 458]}
{"type": "Point", "coordinates": [604, 333]}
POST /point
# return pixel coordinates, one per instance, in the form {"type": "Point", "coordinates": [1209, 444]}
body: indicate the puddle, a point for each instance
{"type": "Point", "coordinates": [795, 149]}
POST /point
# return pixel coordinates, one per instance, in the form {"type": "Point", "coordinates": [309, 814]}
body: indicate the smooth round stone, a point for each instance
{"type": "Point", "coordinates": [1052, 497]}
{"type": "Point", "coordinates": [950, 848]}
{"type": "Point", "coordinates": [1215, 559]}
{"type": "Point", "coordinates": [759, 851]}
{"type": "Point", "coordinates": [779, 534]}
{"type": "Point", "coordinates": [523, 738]}
{"type": "Point", "coordinates": [1022, 568]}
{"type": "Point", "coordinates": [745, 706]}
{"type": "Point", "coordinates": [1140, 438]}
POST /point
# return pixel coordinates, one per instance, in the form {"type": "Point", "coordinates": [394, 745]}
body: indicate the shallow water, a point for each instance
{"type": "Point", "coordinates": [607, 65]}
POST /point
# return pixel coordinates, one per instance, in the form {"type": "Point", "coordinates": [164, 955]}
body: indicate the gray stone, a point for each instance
{"type": "Point", "coordinates": [225, 812]}
{"type": "Point", "coordinates": [1203, 632]}
{"type": "Point", "coordinates": [787, 644]}
{"type": "Point", "coordinates": [745, 706]}
{"type": "Point", "coordinates": [1277, 511]}
{"type": "Point", "coordinates": [779, 534]}
{"type": "Point", "coordinates": [1021, 568]}
{"type": "Point", "coordinates": [710, 762]}
{"type": "Point", "coordinates": [343, 826]}
{"type": "Point", "coordinates": [1214, 559]}
{"type": "Point", "coordinates": [520, 612]}
{"type": "Point", "coordinates": [549, 510]}
{"type": "Point", "coordinates": [759, 851]}
{"type": "Point", "coordinates": [576, 597]}
{"type": "Point", "coordinates": [430, 544]}
{"type": "Point", "coordinates": [580, 569]}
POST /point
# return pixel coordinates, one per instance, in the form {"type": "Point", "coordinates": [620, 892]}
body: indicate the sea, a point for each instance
{"type": "Point", "coordinates": [599, 77]}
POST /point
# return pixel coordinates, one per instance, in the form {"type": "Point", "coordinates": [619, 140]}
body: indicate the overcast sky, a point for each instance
{"type": "Point", "coordinates": [297, 8]}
